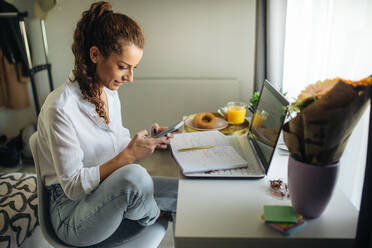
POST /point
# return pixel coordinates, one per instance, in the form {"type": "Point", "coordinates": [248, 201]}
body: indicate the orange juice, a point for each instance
{"type": "Point", "coordinates": [258, 120]}
{"type": "Point", "coordinates": [236, 114]}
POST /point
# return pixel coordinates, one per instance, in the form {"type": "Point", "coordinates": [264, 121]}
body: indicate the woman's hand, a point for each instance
{"type": "Point", "coordinates": [155, 129]}
{"type": "Point", "coordinates": [143, 145]}
{"type": "Point", "coordinates": [140, 146]}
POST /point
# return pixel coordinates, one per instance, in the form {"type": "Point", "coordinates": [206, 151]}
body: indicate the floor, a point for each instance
{"type": "Point", "coordinates": [168, 169]}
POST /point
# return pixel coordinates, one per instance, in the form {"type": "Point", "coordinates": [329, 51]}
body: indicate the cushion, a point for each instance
{"type": "Point", "coordinates": [18, 208]}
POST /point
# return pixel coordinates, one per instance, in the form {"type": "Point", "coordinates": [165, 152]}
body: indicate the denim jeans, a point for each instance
{"type": "Point", "coordinates": [129, 198]}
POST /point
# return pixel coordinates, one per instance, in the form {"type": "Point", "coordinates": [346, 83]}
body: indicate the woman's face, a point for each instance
{"type": "Point", "coordinates": [116, 69]}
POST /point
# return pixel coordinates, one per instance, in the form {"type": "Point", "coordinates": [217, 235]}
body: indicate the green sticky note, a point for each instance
{"type": "Point", "coordinates": [279, 214]}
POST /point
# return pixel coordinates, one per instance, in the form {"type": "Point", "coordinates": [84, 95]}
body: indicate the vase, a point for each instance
{"type": "Point", "coordinates": [311, 186]}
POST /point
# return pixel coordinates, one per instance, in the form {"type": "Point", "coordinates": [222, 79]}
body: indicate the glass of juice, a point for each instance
{"type": "Point", "coordinates": [236, 112]}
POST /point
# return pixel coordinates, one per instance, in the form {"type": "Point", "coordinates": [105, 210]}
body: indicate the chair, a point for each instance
{"type": "Point", "coordinates": [150, 237]}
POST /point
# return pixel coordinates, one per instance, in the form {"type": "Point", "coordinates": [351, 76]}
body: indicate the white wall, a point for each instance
{"type": "Point", "coordinates": [196, 39]}
{"type": "Point", "coordinates": [167, 100]}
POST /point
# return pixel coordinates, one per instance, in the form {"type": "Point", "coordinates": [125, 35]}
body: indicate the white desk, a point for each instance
{"type": "Point", "coordinates": [226, 213]}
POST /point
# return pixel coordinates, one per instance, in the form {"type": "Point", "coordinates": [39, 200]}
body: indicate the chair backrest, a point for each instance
{"type": "Point", "coordinates": [43, 208]}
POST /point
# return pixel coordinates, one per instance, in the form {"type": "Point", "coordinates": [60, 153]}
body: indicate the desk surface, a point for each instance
{"type": "Point", "coordinates": [226, 213]}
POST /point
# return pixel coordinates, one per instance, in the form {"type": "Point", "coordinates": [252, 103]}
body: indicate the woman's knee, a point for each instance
{"type": "Point", "coordinates": [134, 175]}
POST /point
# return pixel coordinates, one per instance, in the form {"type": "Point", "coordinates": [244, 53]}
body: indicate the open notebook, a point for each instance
{"type": "Point", "coordinates": [221, 156]}
{"type": "Point", "coordinates": [235, 156]}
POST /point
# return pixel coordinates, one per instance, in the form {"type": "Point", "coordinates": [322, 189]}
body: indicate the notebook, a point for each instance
{"type": "Point", "coordinates": [251, 154]}
{"type": "Point", "coordinates": [286, 229]}
{"type": "Point", "coordinates": [280, 214]}
{"type": "Point", "coordinates": [221, 156]}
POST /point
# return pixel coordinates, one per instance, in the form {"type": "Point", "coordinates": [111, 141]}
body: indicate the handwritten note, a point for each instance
{"type": "Point", "coordinates": [185, 140]}
{"type": "Point", "coordinates": [222, 156]}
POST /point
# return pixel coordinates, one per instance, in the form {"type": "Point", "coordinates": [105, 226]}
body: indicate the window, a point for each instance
{"type": "Point", "coordinates": [325, 39]}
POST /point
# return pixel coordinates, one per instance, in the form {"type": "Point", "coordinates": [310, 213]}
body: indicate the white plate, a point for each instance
{"type": "Point", "coordinates": [220, 124]}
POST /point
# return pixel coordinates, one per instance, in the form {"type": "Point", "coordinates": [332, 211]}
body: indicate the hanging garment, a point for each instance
{"type": "Point", "coordinates": [11, 40]}
{"type": "Point", "coordinates": [13, 87]}
{"type": "Point", "coordinates": [13, 62]}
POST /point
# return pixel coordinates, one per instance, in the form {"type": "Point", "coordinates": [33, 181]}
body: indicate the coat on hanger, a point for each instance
{"type": "Point", "coordinates": [13, 62]}
{"type": "Point", "coordinates": [13, 87]}
{"type": "Point", "coordinates": [11, 40]}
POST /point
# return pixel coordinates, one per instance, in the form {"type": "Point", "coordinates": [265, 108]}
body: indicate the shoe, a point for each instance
{"type": "Point", "coordinates": [167, 214]}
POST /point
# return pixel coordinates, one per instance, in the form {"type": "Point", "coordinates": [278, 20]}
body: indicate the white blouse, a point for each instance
{"type": "Point", "coordinates": [74, 141]}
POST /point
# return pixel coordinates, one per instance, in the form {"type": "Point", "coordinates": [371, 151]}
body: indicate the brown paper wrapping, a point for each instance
{"type": "Point", "coordinates": [319, 133]}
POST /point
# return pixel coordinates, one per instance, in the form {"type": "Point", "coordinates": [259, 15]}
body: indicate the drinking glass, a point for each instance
{"type": "Point", "coordinates": [236, 112]}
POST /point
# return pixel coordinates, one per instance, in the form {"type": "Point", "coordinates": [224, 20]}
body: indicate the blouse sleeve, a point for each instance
{"type": "Point", "coordinates": [67, 156]}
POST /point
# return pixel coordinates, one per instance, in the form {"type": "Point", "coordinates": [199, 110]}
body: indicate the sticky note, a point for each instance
{"type": "Point", "coordinates": [279, 214]}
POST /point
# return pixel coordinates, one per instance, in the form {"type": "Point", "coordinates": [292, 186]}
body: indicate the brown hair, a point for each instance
{"type": "Point", "coordinates": [100, 27]}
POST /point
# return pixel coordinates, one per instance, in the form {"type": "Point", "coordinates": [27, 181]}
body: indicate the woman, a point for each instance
{"type": "Point", "coordinates": [87, 156]}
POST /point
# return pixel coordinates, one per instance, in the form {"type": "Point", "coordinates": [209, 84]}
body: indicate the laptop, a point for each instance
{"type": "Point", "coordinates": [258, 146]}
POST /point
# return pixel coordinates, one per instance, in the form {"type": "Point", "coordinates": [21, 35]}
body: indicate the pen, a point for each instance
{"type": "Point", "coordinates": [195, 148]}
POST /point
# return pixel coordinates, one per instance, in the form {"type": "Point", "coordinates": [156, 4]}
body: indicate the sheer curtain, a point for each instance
{"type": "Point", "coordinates": [325, 39]}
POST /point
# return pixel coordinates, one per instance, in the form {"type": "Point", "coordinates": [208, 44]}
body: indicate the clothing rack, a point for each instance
{"type": "Point", "coordinates": [32, 70]}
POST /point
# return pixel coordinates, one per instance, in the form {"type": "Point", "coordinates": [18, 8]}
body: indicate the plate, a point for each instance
{"type": "Point", "coordinates": [220, 124]}
{"type": "Point", "coordinates": [230, 130]}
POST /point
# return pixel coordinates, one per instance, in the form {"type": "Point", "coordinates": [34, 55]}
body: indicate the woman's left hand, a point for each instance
{"type": "Point", "coordinates": [155, 129]}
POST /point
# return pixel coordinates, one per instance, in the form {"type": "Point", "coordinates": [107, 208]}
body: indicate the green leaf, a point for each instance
{"type": "Point", "coordinates": [282, 92]}
{"type": "Point", "coordinates": [254, 98]}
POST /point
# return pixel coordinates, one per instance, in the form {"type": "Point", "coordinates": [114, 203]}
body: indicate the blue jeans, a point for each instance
{"type": "Point", "coordinates": [129, 198]}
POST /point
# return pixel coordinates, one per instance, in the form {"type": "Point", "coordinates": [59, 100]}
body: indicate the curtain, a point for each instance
{"type": "Point", "coordinates": [270, 33]}
{"type": "Point", "coordinates": [260, 53]}
{"type": "Point", "coordinates": [275, 30]}
{"type": "Point", "coordinates": [325, 39]}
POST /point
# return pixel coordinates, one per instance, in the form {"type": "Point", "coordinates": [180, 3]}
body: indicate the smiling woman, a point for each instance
{"type": "Point", "coordinates": [87, 156]}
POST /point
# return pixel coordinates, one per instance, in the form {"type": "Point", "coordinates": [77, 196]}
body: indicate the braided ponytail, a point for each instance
{"type": "Point", "coordinates": [100, 27]}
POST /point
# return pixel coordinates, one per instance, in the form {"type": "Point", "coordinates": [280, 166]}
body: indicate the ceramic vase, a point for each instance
{"type": "Point", "coordinates": [311, 186]}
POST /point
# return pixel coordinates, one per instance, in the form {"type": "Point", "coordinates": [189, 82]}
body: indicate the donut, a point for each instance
{"type": "Point", "coordinates": [204, 120]}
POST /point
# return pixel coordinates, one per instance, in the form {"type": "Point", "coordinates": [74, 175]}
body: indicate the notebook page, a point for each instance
{"type": "Point", "coordinates": [185, 140]}
{"type": "Point", "coordinates": [217, 158]}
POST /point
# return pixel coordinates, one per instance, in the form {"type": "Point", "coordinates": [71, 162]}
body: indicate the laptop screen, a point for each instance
{"type": "Point", "coordinates": [267, 122]}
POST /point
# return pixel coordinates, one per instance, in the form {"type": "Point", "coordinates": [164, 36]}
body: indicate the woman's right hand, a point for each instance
{"type": "Point", "coordinates": [143, 145]}
{"type": "Point", "coordinates": [140, 146]}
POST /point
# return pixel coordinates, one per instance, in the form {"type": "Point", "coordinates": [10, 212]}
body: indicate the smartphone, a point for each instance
{"type": "Point", "coordinates": [169, 130]}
